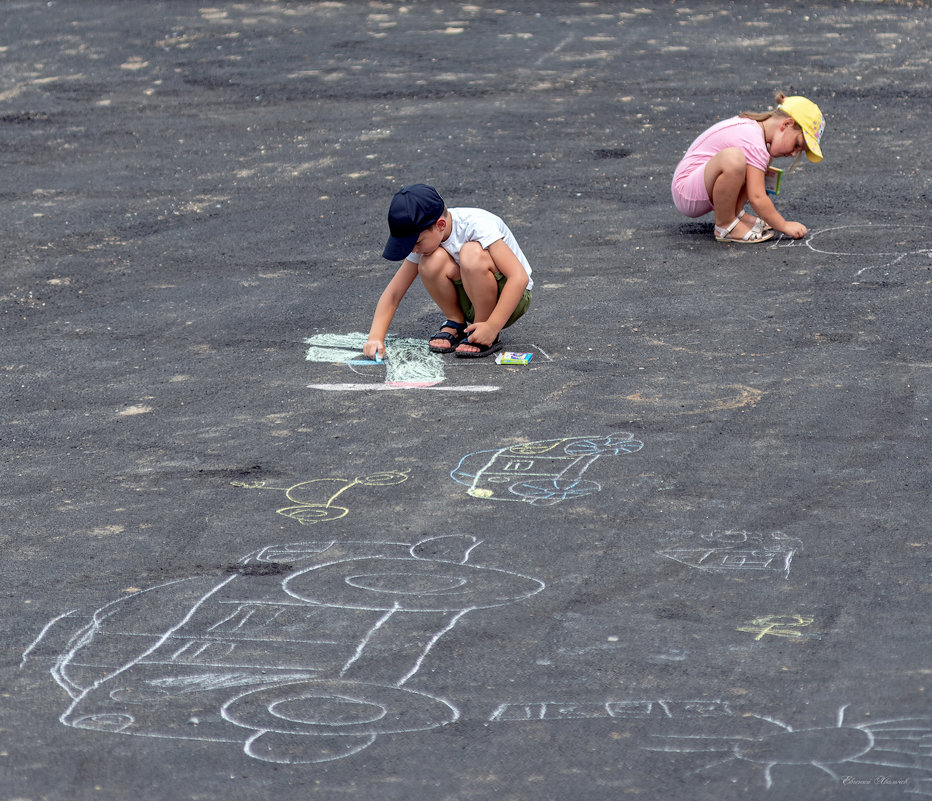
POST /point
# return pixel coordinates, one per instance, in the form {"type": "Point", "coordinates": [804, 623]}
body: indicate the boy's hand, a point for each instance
{"type": "Point", "coordinates": [481, 333]}
{"type": "Point", "coordinates": [373, 347]}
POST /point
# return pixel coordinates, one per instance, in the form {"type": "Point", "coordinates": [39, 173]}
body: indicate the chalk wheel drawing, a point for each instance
{"type": "Point", "coordinates": [293, 749]}
{"type": "Point", "coordinates": [554, 491]}
{"type": "Point", "coordinates": [338, 707]}
{"type": "Point", "coordinates": [111, 722]}
{"type": "Point", "coordinates": [414, 585]}
{"type": "Point", "coordinates": [307, 515]}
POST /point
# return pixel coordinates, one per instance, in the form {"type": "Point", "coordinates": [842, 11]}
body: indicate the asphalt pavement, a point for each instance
{"type": "Point", "coordinates": [682, 553]}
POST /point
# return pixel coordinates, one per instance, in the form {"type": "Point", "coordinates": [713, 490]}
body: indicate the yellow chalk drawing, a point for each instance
{"type": "Point", "coordinates": [312, 503]}
{"type": "Point", "coordinates": [779, 626]}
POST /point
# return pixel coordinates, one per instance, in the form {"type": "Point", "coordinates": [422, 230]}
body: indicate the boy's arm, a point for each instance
{"type": "Point", "coordinates": [763, 206]}
{"type": "Point", "coordinates": [387, 306]}
{"type": "Point", "coordinates": [516, 281]}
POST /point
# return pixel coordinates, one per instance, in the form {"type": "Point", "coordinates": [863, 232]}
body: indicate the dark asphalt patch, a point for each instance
{"type": "Point", "coordinates": [282, 590]}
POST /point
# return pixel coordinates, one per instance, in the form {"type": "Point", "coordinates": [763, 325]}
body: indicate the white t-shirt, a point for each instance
{"type": "Point", "coordinates": [478, 225]}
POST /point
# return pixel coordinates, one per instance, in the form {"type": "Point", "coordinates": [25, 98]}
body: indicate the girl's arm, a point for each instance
{"type": "Point", "coordinates": [763, 206]}
{"type": "Point", "coordinates": [387, 306]}
{"type": "Point", "coordinates": [483, 332]}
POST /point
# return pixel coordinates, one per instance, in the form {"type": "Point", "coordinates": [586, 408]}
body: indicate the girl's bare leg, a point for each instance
{"type": "Point", "coordinates": [726, 183]}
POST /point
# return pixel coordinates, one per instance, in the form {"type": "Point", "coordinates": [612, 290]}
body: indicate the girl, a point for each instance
{"type": "Point", "coordinates": [724, 169]}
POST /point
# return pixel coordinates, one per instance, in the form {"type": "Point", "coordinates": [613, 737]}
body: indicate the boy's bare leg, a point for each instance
{"type": "Point", "coordinates": [438, 271]}
{"type": "Point", "coordinates": [477, 270]}
{"type": "Point", "coordinates": [726, 183]}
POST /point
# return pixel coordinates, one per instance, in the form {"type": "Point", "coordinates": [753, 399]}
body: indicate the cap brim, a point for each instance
{"type": "Point", "coordinates": [397, 248]}
{"type": "Point", "coordinates": [813, 151]}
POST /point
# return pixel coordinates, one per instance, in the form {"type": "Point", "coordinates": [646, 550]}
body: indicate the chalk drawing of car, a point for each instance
{"type": "Point", "coordinates": [298, 653]}
{"type": "Point", "coordinates": [541, 473]}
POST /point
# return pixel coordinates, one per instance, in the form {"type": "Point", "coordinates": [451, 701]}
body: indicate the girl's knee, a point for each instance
{"type": "Point", "coordinates": [733, 159]}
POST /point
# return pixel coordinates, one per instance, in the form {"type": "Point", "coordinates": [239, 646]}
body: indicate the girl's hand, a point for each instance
{"type": "Point", "coordinates": [795, 229]}
{"type": "Point", "coordinates": [372, 347]}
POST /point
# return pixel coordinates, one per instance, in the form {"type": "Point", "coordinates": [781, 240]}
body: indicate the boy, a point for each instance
{"type": "Point", "coordinates": [468, 261]}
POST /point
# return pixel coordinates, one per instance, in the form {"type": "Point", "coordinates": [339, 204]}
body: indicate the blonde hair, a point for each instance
{"type": "Point", "coordinates": [760, 116]}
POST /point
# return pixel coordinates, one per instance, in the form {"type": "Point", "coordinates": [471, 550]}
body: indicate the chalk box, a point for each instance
{"type": "Point", "coordinates": [772, 180]}
{"type": "Point", "coordinates": [510, 357]}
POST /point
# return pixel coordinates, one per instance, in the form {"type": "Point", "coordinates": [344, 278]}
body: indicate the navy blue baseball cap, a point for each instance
{"type": "Point", "coordinates": [413, 209]}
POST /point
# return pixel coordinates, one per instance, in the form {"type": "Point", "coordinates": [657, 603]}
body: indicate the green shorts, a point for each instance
{"type": "Point", "coordinates": [470, 312]}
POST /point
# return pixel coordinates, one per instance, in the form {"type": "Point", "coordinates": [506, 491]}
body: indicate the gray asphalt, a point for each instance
{"type": "Point", "coordinates": [683, 553]}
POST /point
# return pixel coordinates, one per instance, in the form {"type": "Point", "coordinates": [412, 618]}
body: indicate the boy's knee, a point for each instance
{"type": "Point", "coordinates": [474, 259]}
{"type": "Point", "coordinates": [437, 263]}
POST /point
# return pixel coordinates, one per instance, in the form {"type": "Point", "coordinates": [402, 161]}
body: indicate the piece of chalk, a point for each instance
{"type": "Point", "coordinates": [378, 358]}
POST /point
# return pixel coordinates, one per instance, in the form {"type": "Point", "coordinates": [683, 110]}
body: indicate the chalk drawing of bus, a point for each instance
{"type": "Point", "coordinates": [541, 473]}
{"type": "Point", "coordinates": [298, 653]}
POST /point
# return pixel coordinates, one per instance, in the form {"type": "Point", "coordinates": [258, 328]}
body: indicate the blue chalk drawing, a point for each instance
{"type": "Point", "coordinates": [409, 364]}
{"type": "Point", "coordinates": [541, 473]}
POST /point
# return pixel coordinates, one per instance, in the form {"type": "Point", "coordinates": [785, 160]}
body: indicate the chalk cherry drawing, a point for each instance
{"type": "Point", "coordinates": [542, 473]}
{"type": "Point", "coordinates": [409, 363]}
{"type": "Point", "coordinates": [785, 626]}
{"type": "Point", "coordinates": [300, 654]}
{"type": "Point", "coordinates": [314, 500]}
{"type": "Point", "coordinates": [734, 550]}
{"type": "Point", "coordinates": [847, 753]}
{"type": "Point", "coordinates": [883, 245]}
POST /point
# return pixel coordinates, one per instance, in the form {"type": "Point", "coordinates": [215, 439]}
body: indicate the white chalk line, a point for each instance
{"type": "Point", "coordinates": [404, 385]}
{"type": "Point", "coordinates": [168, 634]}
{"type": "Point", "coordinates": [365, 640]}
{"type": "Point", "coordinates": [42, 633]}
{"type": "Point", "coordinates": [83, 637]}
{"type": "Point", "coordinates": [408, 366]}
{"type": "Point", "coordinates": [896, 255]}
{"type": "Point", "coordinates": [555, 50]}
{"type": "Point", "coordinates": [433, 641]}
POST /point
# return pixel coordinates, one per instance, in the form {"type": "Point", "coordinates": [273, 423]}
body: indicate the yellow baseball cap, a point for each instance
{"type": "Point", "coordinates": [810, 119]}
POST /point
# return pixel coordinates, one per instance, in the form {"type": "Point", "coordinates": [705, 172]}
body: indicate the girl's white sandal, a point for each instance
{"type": "Point", "coordinates": [760, 226]}
{"type": "Point", "coordinates": [752, 237]}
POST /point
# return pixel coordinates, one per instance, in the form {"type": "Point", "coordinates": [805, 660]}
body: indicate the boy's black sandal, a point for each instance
{"type": "Point", "coordinates": [453, 339]}
{"type": "Point", "coordinates": [484, 350]}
